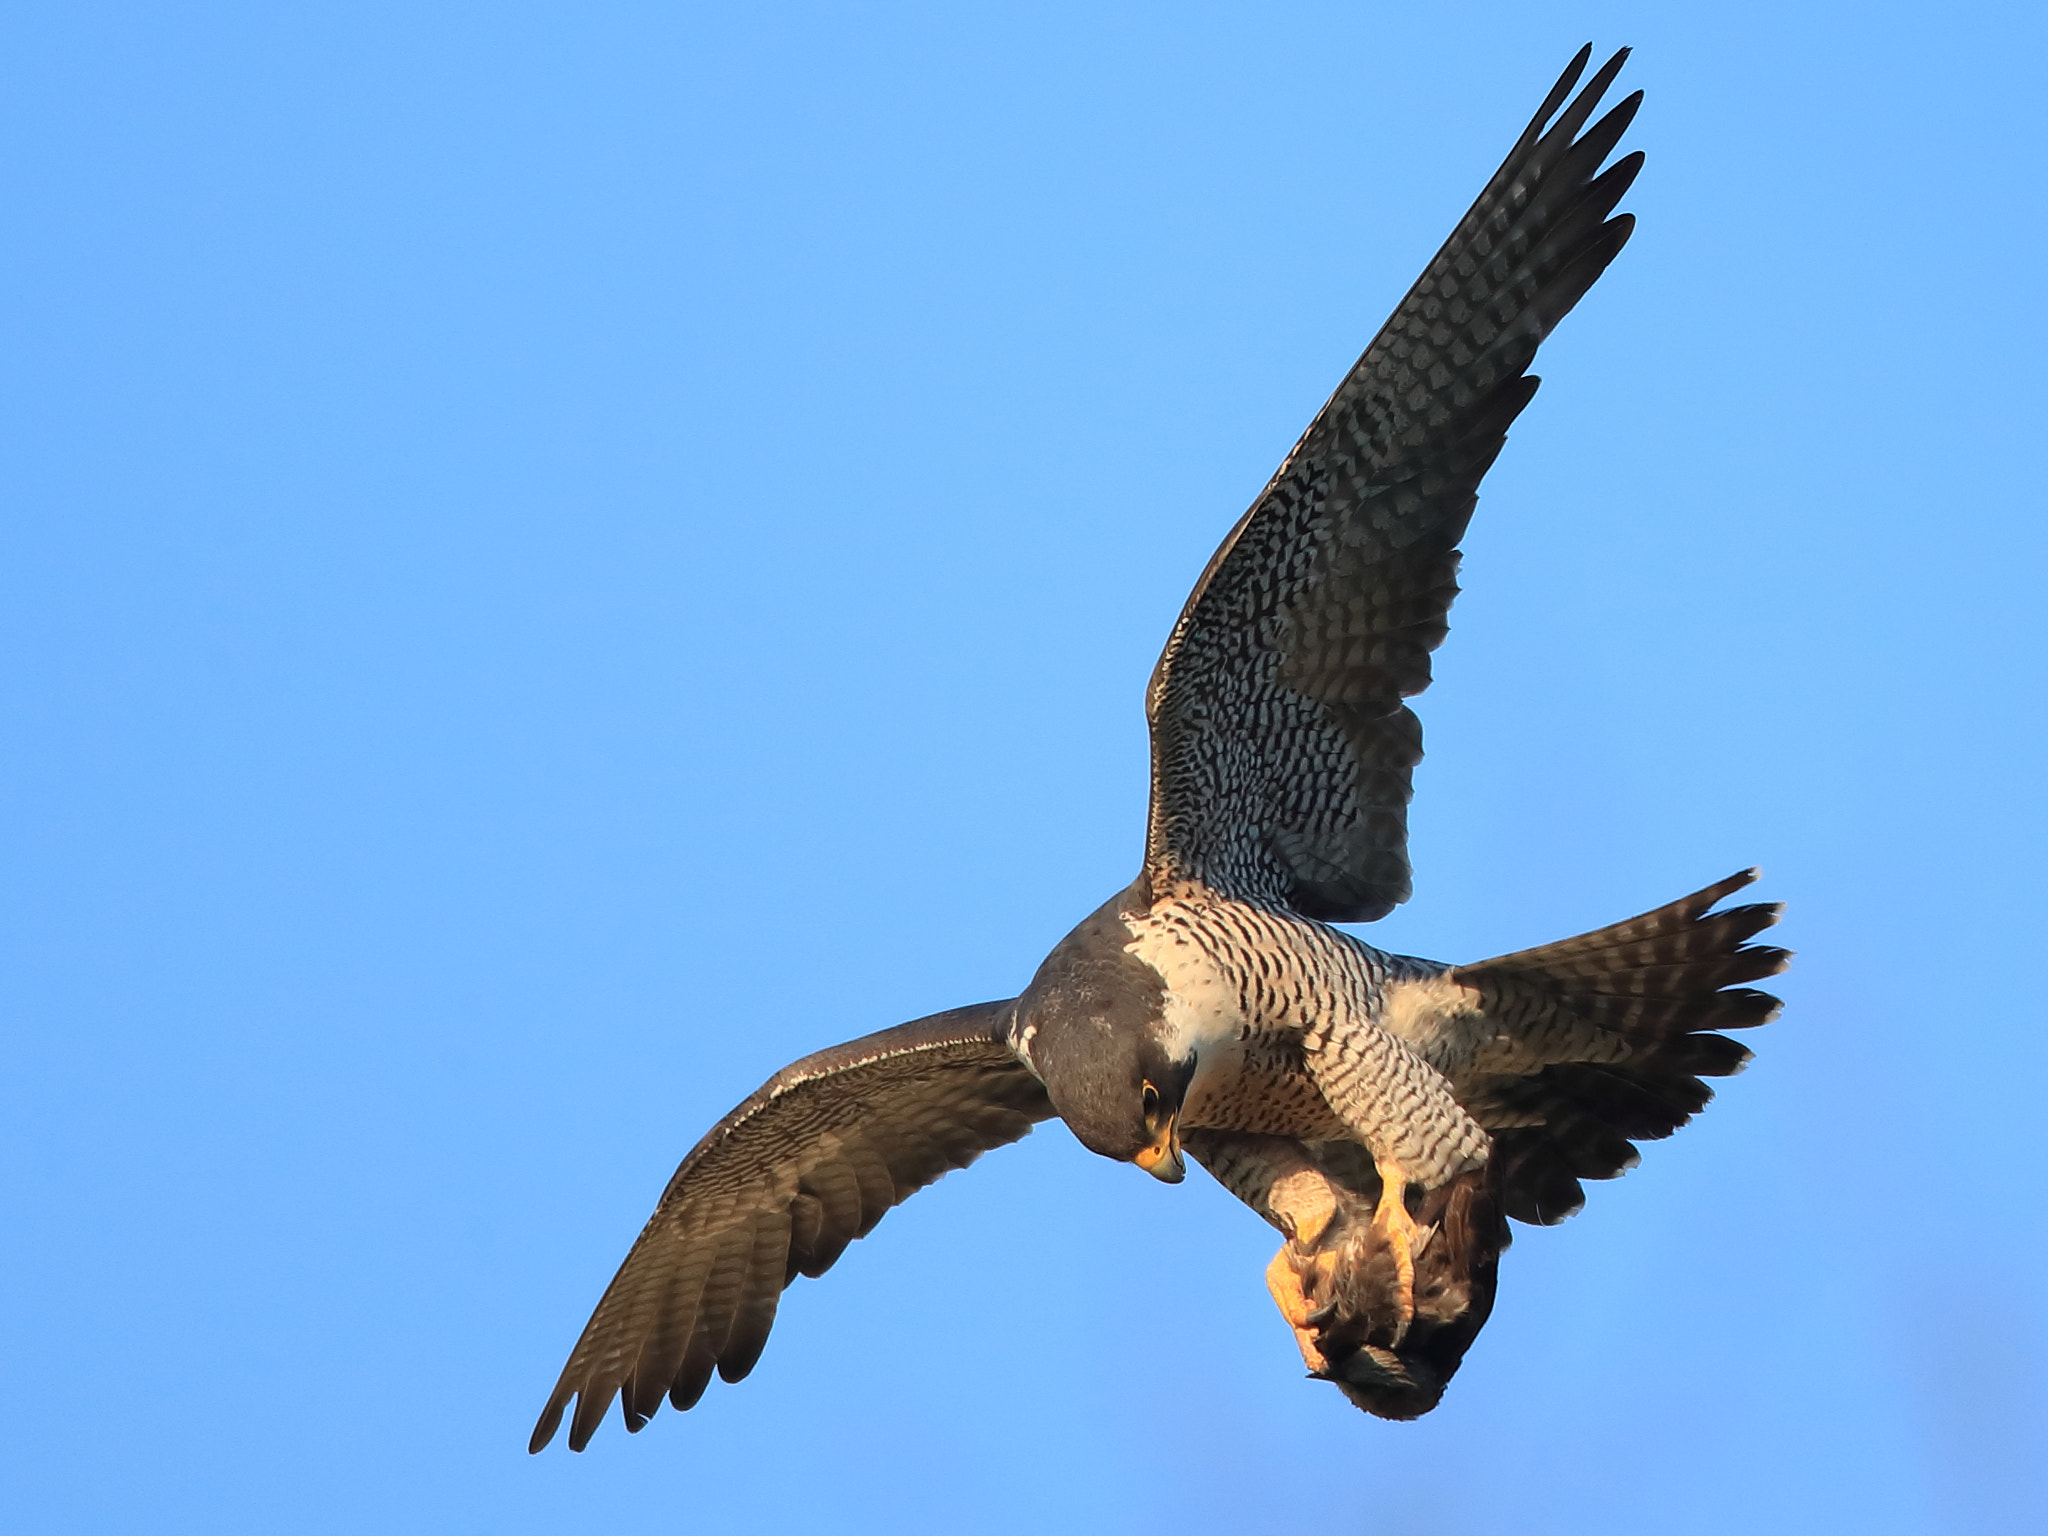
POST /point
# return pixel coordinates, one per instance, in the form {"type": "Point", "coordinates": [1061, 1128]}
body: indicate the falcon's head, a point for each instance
{"type": "Point", "coordinates": [1091, 1026]}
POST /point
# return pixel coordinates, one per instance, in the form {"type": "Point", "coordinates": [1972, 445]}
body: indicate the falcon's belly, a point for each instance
{"type": "Point", "coordinates": [1260, 1086]}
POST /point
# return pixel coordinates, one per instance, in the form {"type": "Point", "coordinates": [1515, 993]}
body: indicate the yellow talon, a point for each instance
{"type": "Point", "coordinates": [1295, 1306]}
{"type": "Point", "coordinates": [1392, 1221]}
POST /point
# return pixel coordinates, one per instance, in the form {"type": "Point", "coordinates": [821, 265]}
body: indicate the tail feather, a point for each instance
{"type": "Point", "coordinates": [1662, 983]}
{"type": "Point", "coordinates": [1669, 938]}
{"type": "Point", "coordinates": [1537, 1185]}
{"type": "Point", "coordinates": [1734, 1008]}
{"type": "Point", "coordinates": [1640, 1108]}
{"type": "Point", "coordinates": [1698, 1056]}
{"type": "Point", "coordinates": [1688, 978]}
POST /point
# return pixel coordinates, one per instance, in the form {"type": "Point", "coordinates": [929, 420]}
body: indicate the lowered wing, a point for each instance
{"type": "Point", "coordinates": [778, 1189]}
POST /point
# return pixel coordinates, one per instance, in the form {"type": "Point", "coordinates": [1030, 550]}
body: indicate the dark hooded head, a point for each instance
{"type": "Point", "coordinates": [1092, 1024]}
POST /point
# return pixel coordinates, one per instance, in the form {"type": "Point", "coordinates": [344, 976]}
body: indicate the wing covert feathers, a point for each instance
{"type": "Point", "coordinates": [1281, 750]}
{"type": "Point", "coordinates": [777, 1189]}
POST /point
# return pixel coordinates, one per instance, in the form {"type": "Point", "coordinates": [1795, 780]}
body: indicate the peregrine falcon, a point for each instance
{"type": "Point", "coordinates": [1387, 1115]}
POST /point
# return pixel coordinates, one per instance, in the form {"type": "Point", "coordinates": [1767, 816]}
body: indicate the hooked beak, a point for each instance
{"type": "Point", "coordinates": [1162, 1159]}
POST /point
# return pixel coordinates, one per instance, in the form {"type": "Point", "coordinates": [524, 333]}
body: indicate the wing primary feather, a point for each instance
{"type": "Point", "coordinates": [722, 1282]}
{"type": "Point", "coordinates": [806, 1222]}
{"type": "Point", "coordinates": [1598, 141]}
{"type": "Point", "coordinates": [1558, 93]}
{"type": "Point", "coordinates": [668, 1337]}
{"type": "Point", "coordinates": [877, 1189]}
{"type": "Point", "coordinates": [550, 1421]}
{"type": "Point", "coordinates": [760, 1293]}
{"type": "Point", "coordinates": [837, 1190]}
{"type": "Point", "coordinates": [1574, 116]}
{"type": "Point", "coordinates": [591, 1403]}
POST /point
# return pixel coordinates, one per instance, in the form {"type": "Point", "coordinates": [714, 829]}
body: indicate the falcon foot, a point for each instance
{"type": "Point", "coordinates": [1291, 1293]}
{"type": "Point", "coordinates": [1382, 1300]}
{"type": "Point", "coordinates": [1338, 1283]}
{"type": "Point", "coordinates": [1397, 1229]}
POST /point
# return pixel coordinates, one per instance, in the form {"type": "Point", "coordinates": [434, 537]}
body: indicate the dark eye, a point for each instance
{"type": "Point", "coordinates": [1151, 1101]}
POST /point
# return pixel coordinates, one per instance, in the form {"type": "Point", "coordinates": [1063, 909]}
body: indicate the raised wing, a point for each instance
{"type": "Point", "coordinates": [778, 1189]}
{"type": "Point", "coordinates": [1281, 751]}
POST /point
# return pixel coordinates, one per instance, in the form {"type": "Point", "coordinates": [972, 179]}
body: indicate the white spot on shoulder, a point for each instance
{"type": "Point", "coordinates": [1202, 1007]}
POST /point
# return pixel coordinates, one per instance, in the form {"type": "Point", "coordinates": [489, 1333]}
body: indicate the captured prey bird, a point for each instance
{"type": "Point", "coordinates": [1387, 1115]}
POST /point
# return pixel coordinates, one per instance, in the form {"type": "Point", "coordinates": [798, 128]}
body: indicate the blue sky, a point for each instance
{"type": "Point", "coordinates": [553, 559]}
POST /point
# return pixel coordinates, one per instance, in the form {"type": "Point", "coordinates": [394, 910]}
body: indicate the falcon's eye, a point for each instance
{"type": "Point", "coordinates": [1151, 1102]}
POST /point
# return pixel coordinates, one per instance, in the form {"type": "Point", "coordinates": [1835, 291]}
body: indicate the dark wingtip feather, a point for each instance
{"type": "Point", "coordinates": [1559, 92]}
{"type": "Point", "coordinates": [1613, 184]}
{"type": "Point", "coordinates": [1595, 145]}
{"type": "Point", "coordinates": [1597, 86]}
{"type": "Point", "coordinates": [590, 1410]}
{"type": "Point", "coordinates": [1576, 276]}
{"type": "Point", "coordinates": [550, 1421]}
{"type": "Point", "coordinates": [1573, 118]}
{"type": "Point", "coordinates": [688, 1387]}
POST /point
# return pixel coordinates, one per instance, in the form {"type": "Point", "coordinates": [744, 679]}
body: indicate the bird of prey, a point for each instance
{"type": "Point", "coordinates": [1387, 1115]}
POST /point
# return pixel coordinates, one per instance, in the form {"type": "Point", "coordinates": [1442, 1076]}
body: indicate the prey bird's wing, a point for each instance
{"type": "Point", "coordinates": [778, 1189]}
{"type": "Point", "coordinates": [1281, 750]}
